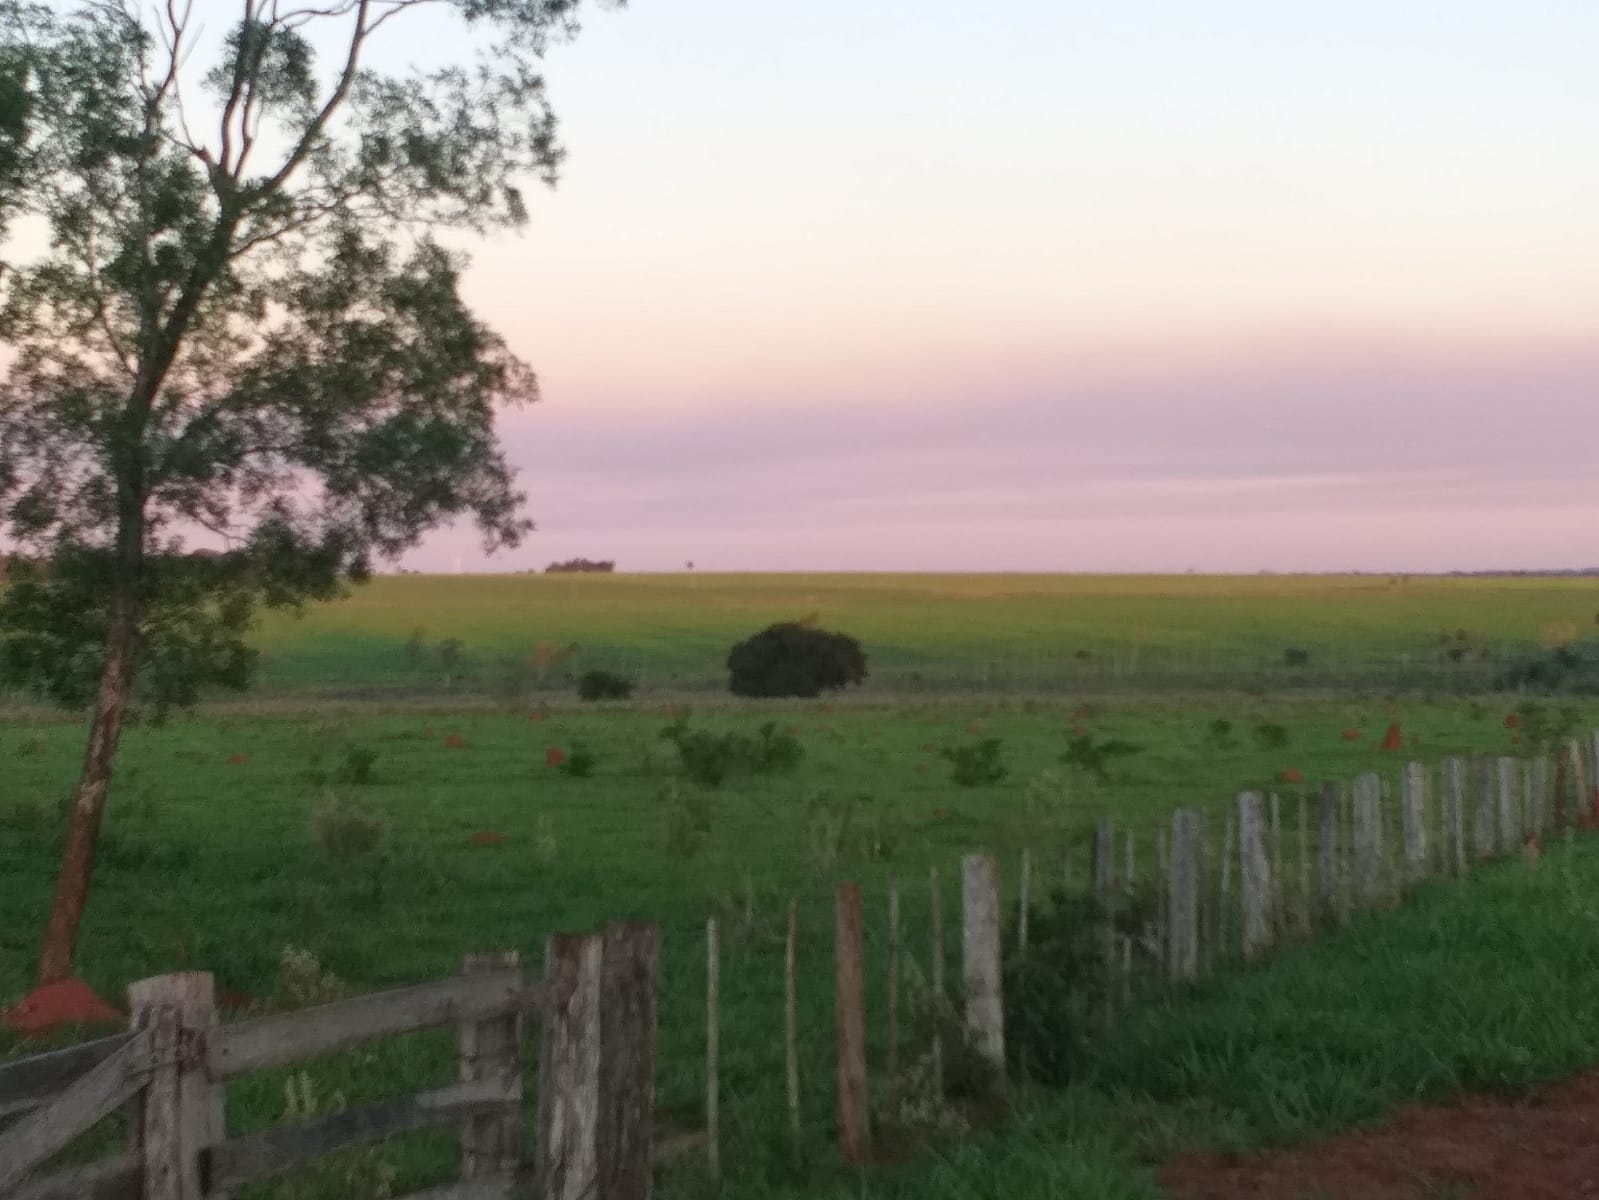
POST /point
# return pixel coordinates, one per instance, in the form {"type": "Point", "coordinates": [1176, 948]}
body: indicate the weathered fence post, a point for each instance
{"type": "Point", "coordinates": [1586, 799]}
{"type": "Point", "coordinates": [1454, 815]}
{"type": "Point", "coordinates": [1224, 887]}
{"type": "Point", "coordinates": [492, 1142]}
{"type": "Point", "coordinates": [791, 1021]}
{"type": "Point", "coordinates": [1182, 890]}
{"type": "Point", "coordinates": [1023, 904]}
{"type": "Point", "coordinates": [713, 1051]}
{"type": "Point", "coordinates": [1371, 885]}
{"type": "Point", "coordinates": [1484, 814]}
{"type": "Point", "coordinates": [1104, 857]}
{"type": "Point", "coordinates": [1254, 876]}
{"type": "Point", "coordinates": [1279, 881]}
{"type": "Point", "coordinates": [1509, 810]}
{"type": "Point", "coordinates": [1538, 806]}
{"type": "Point", "coordinates": [893, 980]}
{"type": "Point", "coordinates": [1329, 861]}
{"type": "Point", "coordinates": [182, 1114]}
{"type": "Point", "coordinates": [1413, 799]}
{"type": "Point", "coordinates": [569, 1070]}
{"type": "Point", "coordinates": [849, 997]}
{"type": "Point", "coordinates": [936, 915]}
{"type": "Point", "coordinates": [1162, 889]}
{"type": "Point", "coordinates": [630, 984]}
{"type": "Point", "coordinates": [981, 958]}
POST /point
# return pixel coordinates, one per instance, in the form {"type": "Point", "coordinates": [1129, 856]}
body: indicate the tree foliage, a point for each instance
{"type": "Point", "coordinates": [232, 319]}
{"type": "Point", "coordinates": [237, 366]}
{"type": "Point", "coordinates": [789, 659]}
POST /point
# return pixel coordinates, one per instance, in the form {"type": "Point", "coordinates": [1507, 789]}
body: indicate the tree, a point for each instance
{"type": "Point", "coordinates": [790, 659]}
{"type": "Point", "coordinates": [229, 317]}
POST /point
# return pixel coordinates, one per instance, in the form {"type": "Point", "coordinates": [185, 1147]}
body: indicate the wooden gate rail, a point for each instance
{"type": "Point", "coordinates": [597, 1082]}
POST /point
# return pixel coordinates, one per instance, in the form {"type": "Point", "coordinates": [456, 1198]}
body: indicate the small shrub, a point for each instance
{"type": "Point", "coordinates": [1571, 670]}
{"type": "Point", "coordinates": [790, 659]}
{"type": "Point", "coordinates": [579, 764]}
{"type": "Point", "coordinates": [1094, 755]}
{"type": "Point", "coordinates": [1057, 996]}
{"type": "Point", "coordinates": [1221, 734]}
{"type": "Point", "coordinates": [603, 685]}
{"type": "Point", "coordinates": [1271, 736]}
{"type": "Point", "coordinates": [302, 980]}
{"type": "Point", "coordinates": [355, 768]}
{"type": "Point", "coordinates": [346, 831]}
{"type": "Point", "coordinates": [1293, 656]}
{"type": "Point", "coordinates": [976, 764]}
{"type": "Point", "coordinates": [688, 820]}
{"type": "Point", "coordinates": [1544, 724]}
{"type": "Point", "coordinates": [709, 758]}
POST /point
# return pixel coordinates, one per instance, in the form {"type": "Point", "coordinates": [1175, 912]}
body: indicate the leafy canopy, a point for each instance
{"type": "Point", "coordinates": [229, 316]}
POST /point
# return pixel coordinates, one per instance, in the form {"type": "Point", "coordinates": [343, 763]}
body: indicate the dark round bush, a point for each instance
{"type": "Point", "coordinates": [794, 660]}
{"type": "Point", "coordinates": [604, 685]}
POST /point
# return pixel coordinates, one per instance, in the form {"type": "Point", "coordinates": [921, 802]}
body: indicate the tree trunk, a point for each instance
{"type": "Point", "coordinates": [89, 797]}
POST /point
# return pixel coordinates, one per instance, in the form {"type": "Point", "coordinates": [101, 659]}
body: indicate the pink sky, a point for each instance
{"type": "Point", "coordinates": [1146, 286]}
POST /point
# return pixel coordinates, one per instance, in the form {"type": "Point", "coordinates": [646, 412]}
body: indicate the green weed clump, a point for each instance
{"type": "Point", "coordinates": [709, 758]}
{"type": "Point", "coordinates": [976, 764]}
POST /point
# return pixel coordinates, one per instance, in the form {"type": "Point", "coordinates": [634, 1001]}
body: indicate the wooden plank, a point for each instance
{"type": "Point", "coordinates": [30, 1082]}
{"type": "Point", "coordinates": [629, 992]}
{"type": "Point", "coordinates": [1454, 816]}
{"type": "Point", "coordinates": [1371, 883]}
{"type": "Point", "coordinates": [48, 1129]}
{"type": "Point", "coordinates": [981, 958]}
{"type": "Point", "coordinates": [1507, 791]}
{"type": "Point", "coordinates": [1304, 903]}
{"type": "Point", "coordinates": [1254, 875]}
{"type": "Point", "coordinates": [1183, 887]}
{"type": "Point", "coordinates": [1413, 808]}
{"type": "Point", "coordinates": [1484, 815]}
{"type": "Point", "coordinates": [849, 1007]}
{"type": "Point", "coordinates": [491, 1143]}
{"type": "Point", "coordinates": [118, 1178]}
{"type": "Point", "coordinates": [285, 1038]}
{"type": "Point", "coordinates": [271, 1152]}
{"type": "Point", "coordinates": [569, 1070]}
{"type": "Point", "coordinates": [1162, 885]}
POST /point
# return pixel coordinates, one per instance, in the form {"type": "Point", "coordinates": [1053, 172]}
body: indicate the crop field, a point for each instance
{"type": "Point", "coordinates": [928, 633]}
{"type": "Point", "coordinates": [316, 841]}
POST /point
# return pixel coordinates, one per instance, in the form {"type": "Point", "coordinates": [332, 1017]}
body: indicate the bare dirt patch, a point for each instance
{"type": "Point", "coordinates": [1541, 1147]}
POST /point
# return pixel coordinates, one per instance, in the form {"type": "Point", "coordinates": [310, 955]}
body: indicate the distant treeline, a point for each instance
{"type": "Point", "coordinates": [576, 565]}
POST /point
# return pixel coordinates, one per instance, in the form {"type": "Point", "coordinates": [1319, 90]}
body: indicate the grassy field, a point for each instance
{"type": "Point", "coordinates": [211, 859]}
{"type": "Point", "coordinates": [929, 633]}
{"type": "Point", "coordinates": [220, 849]}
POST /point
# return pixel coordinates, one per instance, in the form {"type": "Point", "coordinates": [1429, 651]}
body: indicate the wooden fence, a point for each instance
{"type": "Point", "coordinates": [595, 1086]}
{"type": "Point", "coordinates": [1284, 867]}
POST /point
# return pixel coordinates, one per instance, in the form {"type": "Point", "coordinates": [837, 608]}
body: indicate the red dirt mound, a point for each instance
{"type": "Point", "coordinates": [59, 1005]}
{"type": "Point", "coordinates": [1394, 739]}
{"type": "Point", "coordinates": [1538, 1148]}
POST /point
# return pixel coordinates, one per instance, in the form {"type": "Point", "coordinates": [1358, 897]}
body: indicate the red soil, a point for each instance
{"type": "Point", "coordinates": [487, 837]}
{"type": "Point", "coordinates": [1542, 1147]}
{"type": "Point", "coordinates": [238, 760]}
{"type": "Point", "coordinates": [554, 756]}
{"type": "Point", "coordinates": [454, 742]}
{"type": "Point", "coordinates": [59, 1005]}
{"type": "Point", "coordinates": [1350, 735]}
{"type": "Point", "coordinates": [1291, 775]}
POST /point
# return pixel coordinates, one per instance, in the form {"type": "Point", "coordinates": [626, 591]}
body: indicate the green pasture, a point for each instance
{"type": "Point", "coordinates": [210, 859]}
{"type": "Point", "coordinates": [929, 633]}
